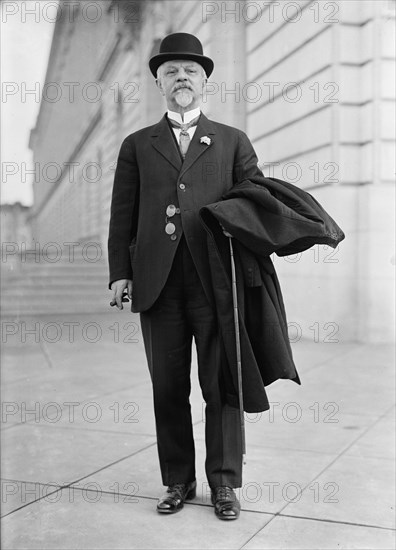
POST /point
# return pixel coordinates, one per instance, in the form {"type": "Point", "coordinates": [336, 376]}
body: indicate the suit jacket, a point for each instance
{"type": "Point", "coordinates": [275, 216]}
{"type": "Point", "coordinates": [150, 175]}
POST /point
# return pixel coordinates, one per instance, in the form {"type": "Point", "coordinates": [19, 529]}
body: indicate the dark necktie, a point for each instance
{"type": "Point", "coordinates": [184, 140]}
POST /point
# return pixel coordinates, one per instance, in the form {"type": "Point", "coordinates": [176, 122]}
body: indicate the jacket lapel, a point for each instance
{"type": "Point", "coordinates": [164, 142]}
{"type": "Point", "coordinates": [204, 128]}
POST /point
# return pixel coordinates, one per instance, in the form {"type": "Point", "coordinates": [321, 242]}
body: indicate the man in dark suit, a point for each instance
{"type": "Point", "coordinates": [165, 174]}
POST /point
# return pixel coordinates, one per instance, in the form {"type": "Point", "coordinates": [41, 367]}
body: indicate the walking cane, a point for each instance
{"type": "Point", "coordinates": [238, 346]}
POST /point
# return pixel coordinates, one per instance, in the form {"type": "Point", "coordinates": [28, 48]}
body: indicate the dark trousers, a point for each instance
{"type": "Point", "coordinates": [181, 312]}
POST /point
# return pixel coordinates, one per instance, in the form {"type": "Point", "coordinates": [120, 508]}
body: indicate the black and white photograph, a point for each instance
{"type": "Point", "coordinates": [197, 274]}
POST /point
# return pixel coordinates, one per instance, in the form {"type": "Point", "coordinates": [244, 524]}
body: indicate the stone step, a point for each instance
{"type": "Point", "coordinates": [39, 288]}
{"type": "Point", "coordinates": [53, 280]}
{"type": "Point", "coordinates": [17, 268]}
{"type": "Point", "coordinates": [35, 260]}
{"type": "Point", "coordinates": [12, 306]}
{"type": "Point", "coordinates": [20, 310]}
{"type": "Point", "coordinates": [50, 293]}
{"type": "Point", "coordinates": [69, 274]}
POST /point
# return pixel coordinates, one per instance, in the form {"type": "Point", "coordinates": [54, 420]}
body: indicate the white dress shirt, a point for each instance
{"type": "Point", "coordinates": [188, 116]}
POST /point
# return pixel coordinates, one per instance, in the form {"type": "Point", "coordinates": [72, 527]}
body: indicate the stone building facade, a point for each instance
{"type": "Point", "coordinates": [311, 83]}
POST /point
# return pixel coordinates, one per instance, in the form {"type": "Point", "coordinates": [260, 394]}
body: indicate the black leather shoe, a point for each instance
{"type": "Point", "coordinates": [225, 502]}
{"type": "Point", "coordinates": [173, 500]}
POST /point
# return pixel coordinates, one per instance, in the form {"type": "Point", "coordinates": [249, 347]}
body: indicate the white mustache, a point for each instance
{"type": "Point", "coordinates": [182, 86]}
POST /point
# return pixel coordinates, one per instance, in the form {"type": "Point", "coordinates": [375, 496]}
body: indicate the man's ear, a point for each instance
{"type": "Point", "coordinates": [159, 85]}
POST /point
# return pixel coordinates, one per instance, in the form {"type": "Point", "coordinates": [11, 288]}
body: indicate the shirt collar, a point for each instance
{"type": "Point", "coordinates": [188, 116]}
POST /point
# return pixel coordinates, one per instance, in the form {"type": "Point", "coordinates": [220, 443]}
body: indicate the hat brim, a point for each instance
{"type": "Point", "coordinates": [204, 61]}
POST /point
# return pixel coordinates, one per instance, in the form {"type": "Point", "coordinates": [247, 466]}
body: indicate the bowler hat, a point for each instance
{"type": "Point", "coordinates": [181, 45]}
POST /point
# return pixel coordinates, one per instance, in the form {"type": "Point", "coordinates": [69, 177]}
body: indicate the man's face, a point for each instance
{"type": "Point", "coordinates": [182, 83]}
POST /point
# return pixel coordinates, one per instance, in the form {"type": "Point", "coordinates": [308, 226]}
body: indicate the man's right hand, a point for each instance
{"type": "Point", "coordinates": [118, 288]}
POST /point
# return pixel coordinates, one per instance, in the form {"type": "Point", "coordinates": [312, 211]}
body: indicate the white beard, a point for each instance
{"type": "Point", "coordinates": [184, 97]}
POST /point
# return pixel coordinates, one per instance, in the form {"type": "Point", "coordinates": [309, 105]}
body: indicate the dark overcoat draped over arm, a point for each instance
{"type": "Point", "coordinates": [273, 216]}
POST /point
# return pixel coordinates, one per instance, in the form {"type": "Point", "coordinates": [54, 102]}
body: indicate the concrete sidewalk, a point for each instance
{"type": "Point", "coordinates": [79, 457]}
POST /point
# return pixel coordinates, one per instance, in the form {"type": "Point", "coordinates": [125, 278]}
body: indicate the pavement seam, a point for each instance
{"type": "Point", "coordinates": [202, 504]}
{"type": "Point", "coordinates": [36, 482]}
{"type": "Point", "coordinates": [371, 526]}
{"type": "Point", "coordinates": [33, 501]}
{"type": "Point", "coordinates": [279, 513]}
{"type": "Point", "coordinates": [112, 463]}
{"type": "Point", "coordinates": [71, 484]}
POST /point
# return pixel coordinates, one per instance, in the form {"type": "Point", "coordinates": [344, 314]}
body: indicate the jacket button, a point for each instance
{"type": "Point", "coordinates": [170, 210]}
{"type": "Point", "coordinates": [170, 228]}
{"type": "Point", "coordinates": [173, 237]}
{"type": "Point", "coordinates": [182, 186]}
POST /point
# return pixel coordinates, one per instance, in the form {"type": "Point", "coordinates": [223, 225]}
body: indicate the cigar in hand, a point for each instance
{"type": "Point", "coordinates": [124, 299]}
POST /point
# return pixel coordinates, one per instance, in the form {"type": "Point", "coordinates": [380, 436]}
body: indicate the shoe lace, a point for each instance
{"type": "Point", "coordinates": [178, 488]}
{"type": "Point", "coordinates": [225, 493]}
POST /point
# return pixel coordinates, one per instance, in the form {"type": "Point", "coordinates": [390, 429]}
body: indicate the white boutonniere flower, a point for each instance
{"type": "Point", "coordinates": [206, 140]}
